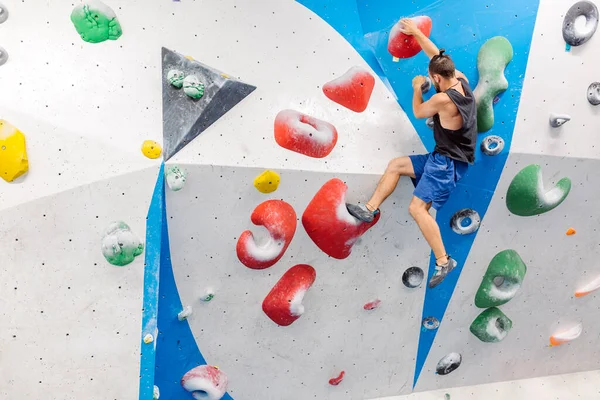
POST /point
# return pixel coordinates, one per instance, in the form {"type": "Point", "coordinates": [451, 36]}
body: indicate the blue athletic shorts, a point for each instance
{"type": "Point", "coordinates": [437, 176]}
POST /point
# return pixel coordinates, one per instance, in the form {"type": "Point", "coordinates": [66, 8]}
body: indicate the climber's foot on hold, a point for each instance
{"type": "Point", "coordinates": [362, 212]}
{"type": "Point", "coordinates": [441, 271]}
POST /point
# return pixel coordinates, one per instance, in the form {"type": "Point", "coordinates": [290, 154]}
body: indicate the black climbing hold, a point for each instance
{"type": "Point", "coordinates": [448, 363]}
{"type": "Point", "coordinates": [492, 145]}
{"type": "Point", "coordinates": [465, 221]}
{"type": "Point", "coordinates": [413, 277]}
{"type": "Point", "coordinates": [429, 122]}
{"type": "Point", "coordinates": [3, 13]}
{"type": "Point", "coordinates": [426, 86]}
{"type": "Point", "coordinates": [430, 323]}
{"type": "Point", "coordinates": [593, 93]}
{"type": "Point", "coordinates": [3, 56]}
{"type": "Point", "coordinates": [571, 34]}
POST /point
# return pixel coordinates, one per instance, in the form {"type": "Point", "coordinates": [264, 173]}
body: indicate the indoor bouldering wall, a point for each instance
{"type": "Point", "coordinates": [173, 213]}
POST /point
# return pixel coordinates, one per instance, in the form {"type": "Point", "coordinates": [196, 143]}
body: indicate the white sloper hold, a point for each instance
{"type": "Point", "coordinates": [566, 336]}
{"type": "Point", "coordinates": [557, 120]}
{"type": "Point", "coordinates": [588, 288]}
{"type": "Point", "coordinates": [205, 382]}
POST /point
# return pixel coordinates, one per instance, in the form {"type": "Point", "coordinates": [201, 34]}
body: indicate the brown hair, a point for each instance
{"type": "Point", "coordinates": [442, 65]}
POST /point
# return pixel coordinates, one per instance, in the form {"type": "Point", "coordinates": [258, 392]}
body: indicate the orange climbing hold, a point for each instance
{"type": "Point", "coordinates": [571, 231]}
{"type": "Point", "coordinates": [592, 286]}
{"type": "Point", "coordinates": [566, 336]}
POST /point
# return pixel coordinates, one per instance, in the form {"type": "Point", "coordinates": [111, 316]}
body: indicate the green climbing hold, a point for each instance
{"type": "Point", "coordinates": [96, 22]}
{"type": "Point", "coordinates": [120, 245]}
{"type": "Point", "coordinates": [175, 78]}
{"type": "Point", "coordinates": [493, 57]}
{"type": "Point", "coordinates": [502, 280]}
{"type": "Point", "coordinates": [193, 87]}
{"type": "Point", "coordinates": [526, 195]}
{"type": "Point", "coordinates": [491, 326]}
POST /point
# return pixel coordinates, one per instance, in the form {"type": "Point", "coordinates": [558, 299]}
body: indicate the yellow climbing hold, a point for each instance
{"type": "Point", "coordinates": [13, 154]}
{"type": "Point", "coordinates": [190, 58]}
{"type": "Point", "coordinates": [225, 76]}
{"type": "Point", "coordinates": [267, 182]}
{"type": "Point", "coordinates": [151, 149]}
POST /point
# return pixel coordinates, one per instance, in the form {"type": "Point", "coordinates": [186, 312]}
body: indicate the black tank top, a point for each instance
{"type": "Point", "coordinates": [458, 144]}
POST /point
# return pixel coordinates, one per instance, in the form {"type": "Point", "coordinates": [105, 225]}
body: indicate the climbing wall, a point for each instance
{"type": "Point", "coordinates": [232, 269]}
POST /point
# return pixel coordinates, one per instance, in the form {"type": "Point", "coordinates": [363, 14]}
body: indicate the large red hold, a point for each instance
{"type": "Point", "coordinates": [328, 222]}
{"type": "Point", "coordinates": [401, 45]}
{"type": "Point", "coordinates": [283, 304]}
{"type": "Point", "coordinates": [351, 90]}
{"type": "Point", "coordinates": [279, 218]}
{"type": "Point", "coordinates": [304, 134]}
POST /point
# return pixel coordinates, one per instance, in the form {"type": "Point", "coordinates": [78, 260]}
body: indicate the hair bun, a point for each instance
{"type": "Point", "coordinates": [442, 51]}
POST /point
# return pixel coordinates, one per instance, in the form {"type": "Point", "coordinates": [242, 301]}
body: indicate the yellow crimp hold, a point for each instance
{"type": "Point", "coordinates": [190, 58]}
{"type": "Point", "coordinates": [267, 182]}
{"type": "Point", "coordinates": [151, 149]}
{"type": "Point", "coordinates": [13, 154]}
{"type": "Point", "coordinates": [225, 76]}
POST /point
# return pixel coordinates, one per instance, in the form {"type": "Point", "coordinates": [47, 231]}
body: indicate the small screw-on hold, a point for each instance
{"type": "Point", "coordinates": [426, 86]}
{"type": "Point", "coordinates": [185, 313]}
{"type": "Point", "coordinates": [208, 295]}
{"type": "Point", "coordinates": [429, 122]}
{"type": "Point", "coordinates": [3, 56]}
{"type": "Point", "coordinates": [3, 13]}
{"type": "Point", "coordinates": [148, 339]}
{"type": "Point", "coordinates": [156, 393]}
{"type": "Point", "coordinates": [557, 120]}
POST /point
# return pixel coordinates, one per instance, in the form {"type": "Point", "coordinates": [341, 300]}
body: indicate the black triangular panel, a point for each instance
{"type": "Point", "coordinates": [185, 118]}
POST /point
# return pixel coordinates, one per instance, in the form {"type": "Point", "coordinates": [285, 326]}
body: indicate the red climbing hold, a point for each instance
{"type": "Point", "coordinates": [304, 134]}
{"type": "Point", "coordinates": [351, 90]}
{"type": "Point", "coordinates": [283, 304]}
{"type": "Point", "coordinates": [328, 222]}
{"type": "Point", "coordinates": [372, 305]}
{"type": "Point", "coordinates": [401, 45]}
{"type": "Point", "coordinates": [205, 379]}
{"type": "Point", "coordinates": [279, 218]}
{"type": "Point", "coordinates": [337, 380]}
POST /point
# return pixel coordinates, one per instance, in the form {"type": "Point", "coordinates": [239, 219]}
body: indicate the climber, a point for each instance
{"type": "Point", "coordinates": [434, 175]}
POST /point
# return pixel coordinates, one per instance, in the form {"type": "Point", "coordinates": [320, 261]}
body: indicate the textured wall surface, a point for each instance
{"type": "Point", "coordinates": [72, 323]}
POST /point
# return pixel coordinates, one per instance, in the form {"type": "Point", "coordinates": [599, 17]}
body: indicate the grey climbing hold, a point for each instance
{"type": "Point", "coordinates": [413, 277]}
{"type": "Point", "coordinates": [185, 313]}
{"type": "Point", "coordinates": [574, 35]}
{"type": "Point", "coordinates": [593, 93]}
{"type": "Point", "coordinates": [426, 86]}
{"type": "Point", "coordinates": [429, 122]}
{"type": "Point", "coordinates": [557, 120]}
{"type": "Point", "coordinates": [465, 221]}
{"type": "Point", "coordinates": [492, 145]}
{"type": "Point", "coordinates": [3, 13]}
{"type": "Point", "coordinates": [448, 363]}
{"type": "Point", "coordinates": [431, 323]}
{"type": "Point", "coordinates": [3, 56]}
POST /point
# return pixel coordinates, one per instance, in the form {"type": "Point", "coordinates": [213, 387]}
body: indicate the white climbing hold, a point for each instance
{"type": "Point", "coordinates": [566, 336]}
{"type": "Point", "coordinates": [148, 339]}
{"type": "Point", "coordinates": [185, 313]}
{"type": "Point", "coordinates": [156, 393]}
{"type": "Point", "coordinates": [557, 120]}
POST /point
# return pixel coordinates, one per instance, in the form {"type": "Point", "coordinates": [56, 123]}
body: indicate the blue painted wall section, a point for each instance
{"type": "Point", "coordinates": [154, 222]}
{"type": "Point", "coordinates": [461, 28]}
{"type": "Point", "coordinates": [174, 351]}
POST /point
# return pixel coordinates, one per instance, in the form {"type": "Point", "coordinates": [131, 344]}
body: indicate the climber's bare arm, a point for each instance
{"type": "Point", "coordinates": [410, 28]}
{"type": "Point", "coordinates": [426, 109]}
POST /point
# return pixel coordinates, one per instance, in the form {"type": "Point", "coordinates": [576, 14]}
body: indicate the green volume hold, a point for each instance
{"type": "Point", "coordinates": [526, 195]}
{"type": "Point", "coordinates": [493, 57]}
